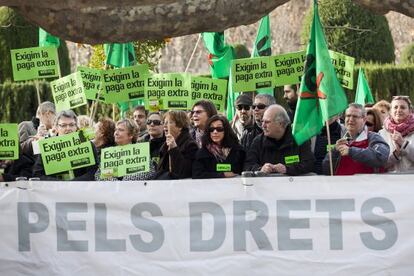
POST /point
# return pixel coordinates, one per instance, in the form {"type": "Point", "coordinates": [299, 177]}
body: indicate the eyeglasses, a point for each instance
{"type": "Point", "coordinates": [155, 122]}
{"type": "Point", "coordinates": [369, 124]}
{"type": "Point", "coordinates": [259, 106]}
{"type": "Point", "coordinates": [218, 129]}
{"type": "Point", "coordinates": [348, 116]}
{"type": "Point", "coordinates": [197, 112]}
{"type": "Point", "coordinates": [243, 106]}
{"type": "Point", "coordinates": [72, 125]}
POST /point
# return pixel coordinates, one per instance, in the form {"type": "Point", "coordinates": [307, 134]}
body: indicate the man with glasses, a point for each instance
{"type": "Point", "coordinates": [37, 128]}
{"type": "Point", "coordinates": [155, 135]}
{"type": "Point", "coordinates": [244, 114]}
{"type": "Point", "coordinates": [66, 122]}
{"type": "Point", "coordinates": [275, 150]}
{"type": "Point", "coordinates": [261, 102]}
{"type": "Point", "coordinates": [360, 151]}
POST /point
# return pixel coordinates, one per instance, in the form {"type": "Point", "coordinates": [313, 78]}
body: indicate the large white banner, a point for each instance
{"type": "Point", "coordinates": [357, 225]}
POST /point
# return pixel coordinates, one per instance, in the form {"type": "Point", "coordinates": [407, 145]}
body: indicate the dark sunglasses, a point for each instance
{"type": "Point", "coordinates": [218, 129]}
{"type": "Point", "coordinates": [197, 112]}
{"type": "Point", "coordinates": [259, 106]}
{"type": "Point", "coordinates": [155, 122]}
{"type": "Point", "coordinates": [243, 106]}
{"type": "Point", "coordinates": [369, 124]}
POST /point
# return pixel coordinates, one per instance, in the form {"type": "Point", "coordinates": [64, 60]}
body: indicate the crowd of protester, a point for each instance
{"type": "Point", "coordinates": [203, 144]}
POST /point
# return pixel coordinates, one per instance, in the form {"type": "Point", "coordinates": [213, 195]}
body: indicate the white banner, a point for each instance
{"type": "Point", "coordinates": [357, 225]}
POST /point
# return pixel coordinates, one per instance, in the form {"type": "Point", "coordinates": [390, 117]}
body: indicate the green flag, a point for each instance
{"type": "Point", "coordinates": [220, 56]}
{"type": "Point", "coordinates": [263, 46]}
{"type": "Point", "coordinates": [363, 92]}
{"type": "Point", "coordinates": [46, 39]}
{"type": "Point", "coordinates": [230, 99]}
{"type": "Point", "coordinates": [321, 95]}
{"type": "Point", "coordinates": [120, 55]}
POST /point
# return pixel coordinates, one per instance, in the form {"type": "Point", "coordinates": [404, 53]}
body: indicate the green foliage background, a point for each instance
{"type": "Point", "coordinates": [15, 33]}
{"type": "Point", "coordinates": [407, 55]}
{"type": "Point", "coordinates": [147, 52]}
{"type": "Point", "coordinates": [353, 30]}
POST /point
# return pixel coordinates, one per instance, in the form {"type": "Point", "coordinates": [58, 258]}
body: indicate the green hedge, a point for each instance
{"type": "Point", "coordinates": [353, 31]}
{"type": "Point", "coordinates": [386, 80]}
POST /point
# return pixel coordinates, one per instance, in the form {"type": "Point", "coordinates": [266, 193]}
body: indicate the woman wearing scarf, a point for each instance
{"type": "Point", "coordinates": [221, 154]}
{"type": "Point", "coordinates": [398, 132]}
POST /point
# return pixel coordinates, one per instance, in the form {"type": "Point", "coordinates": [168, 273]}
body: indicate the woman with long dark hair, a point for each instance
{"type": "Point", "coordinates": [221, 154]}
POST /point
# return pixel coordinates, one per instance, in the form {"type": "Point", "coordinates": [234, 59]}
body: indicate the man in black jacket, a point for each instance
{"type": "Point", "coordinates": [261, 103]}
{"type": "Point", "coordinates": [290, 94]}
{"type": "Point", "coordinates": [275, 150]}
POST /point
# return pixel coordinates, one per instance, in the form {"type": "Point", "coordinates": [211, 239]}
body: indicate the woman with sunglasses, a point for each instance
{"type": "Point", "coordinates": [221, 154]}
{"type": "Point", "coordinates": [155, 135]}
{"type": "Point", "coordinates": [398, 132]}
{"type": "Point", "coordinates": [373, 121]}
{"type": "Point", "coordinates": [200, 113]}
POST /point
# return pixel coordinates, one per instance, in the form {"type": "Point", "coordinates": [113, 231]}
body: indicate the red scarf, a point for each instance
{"type": "Point", "coordinates": [404, 128]}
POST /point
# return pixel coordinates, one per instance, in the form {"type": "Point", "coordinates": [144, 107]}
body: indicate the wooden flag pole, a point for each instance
{"type": "Point", "coordinates": [328, 133]}
{"type": "Point", "coordinates": [94, 106]}
{"type": "Point", "coordinates": [192, 54]}
{"type": "Point", "coordinates": [38, 91]}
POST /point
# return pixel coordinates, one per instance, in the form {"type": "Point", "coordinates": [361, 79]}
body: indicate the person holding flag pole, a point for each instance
{"type": "Point", "coordinates": [320, 95]}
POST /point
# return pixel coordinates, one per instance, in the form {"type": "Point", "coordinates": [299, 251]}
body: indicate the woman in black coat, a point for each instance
{"type": "Point", "coordinates": [221, 154]}
{"type": "Point", "coordinates": [178, 152]}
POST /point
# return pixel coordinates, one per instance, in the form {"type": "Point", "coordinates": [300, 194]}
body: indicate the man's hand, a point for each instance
{"type": "Point", "coordinates": [280, 168]}
{"type": "Point", "coordinates": [267, 168]}
{"type": "Point", "coordinates": [342, 146]}
{"type": "Point", "coordinates": [343, 150]}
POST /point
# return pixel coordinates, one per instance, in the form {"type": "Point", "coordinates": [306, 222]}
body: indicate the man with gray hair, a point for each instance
{"type": "Point", "coordinates": [275, 150]}
{"type": "Point", "coordinates": [360, 151]}
{"type": "Point", "coordinates": [67, 122]}
{"type": "Point", "coordinates": [261, 103]}
{"type": "Point", "coordinates": [38, 127]}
